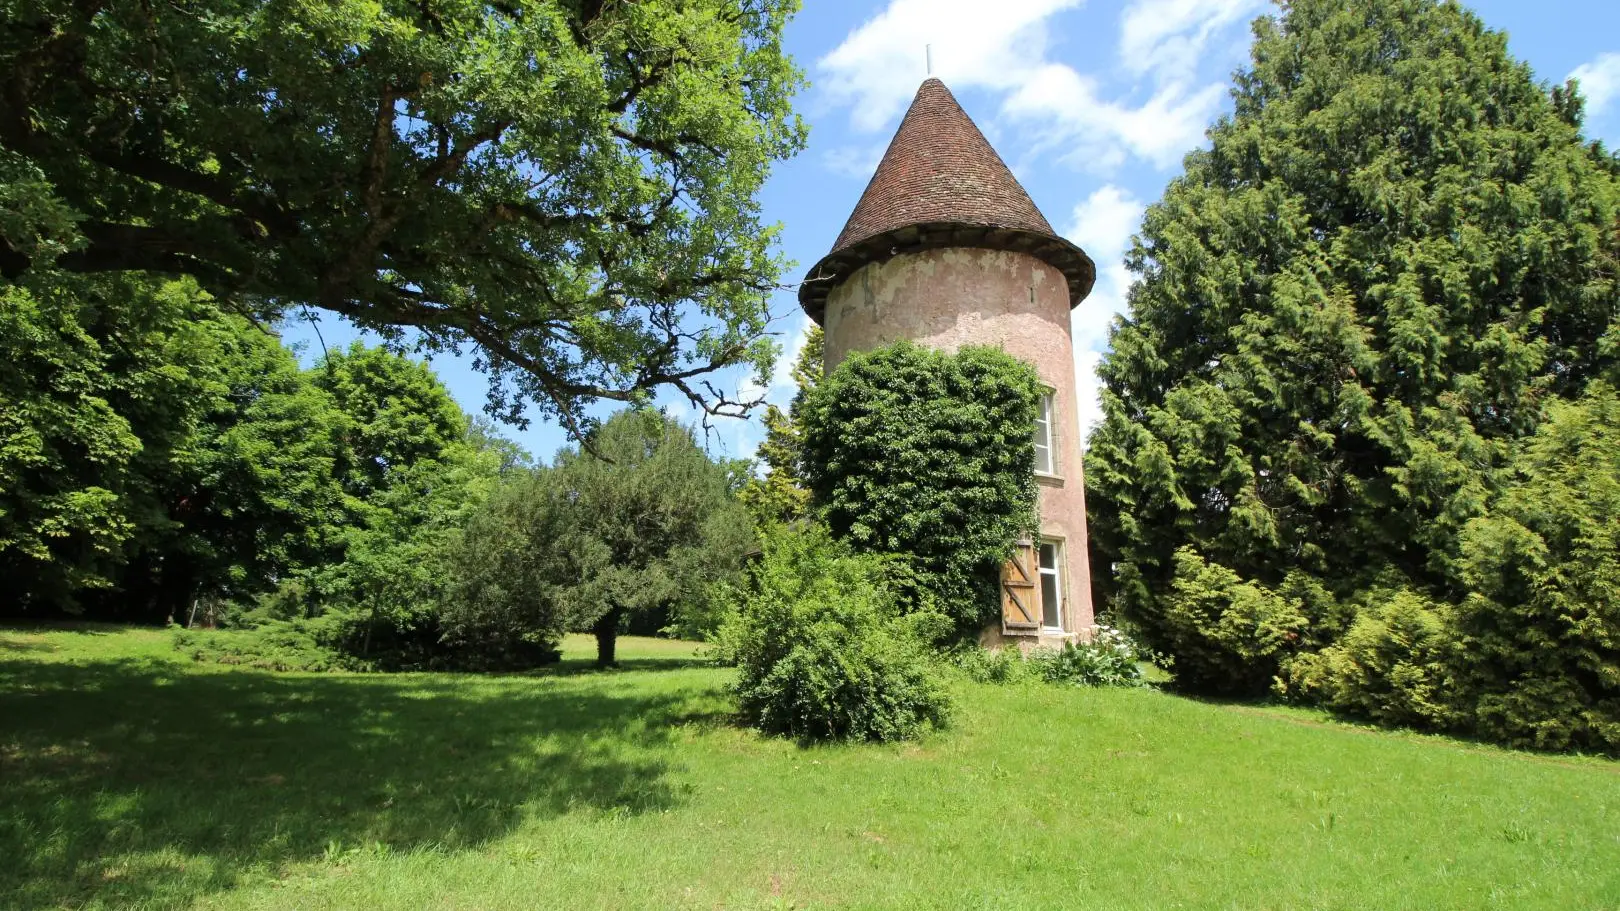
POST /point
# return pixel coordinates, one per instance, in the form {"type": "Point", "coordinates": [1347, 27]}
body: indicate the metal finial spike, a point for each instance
{"type": "Point", "coordinates": [928, 49]}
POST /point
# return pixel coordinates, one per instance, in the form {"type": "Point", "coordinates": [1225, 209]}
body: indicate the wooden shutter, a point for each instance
{"type": "Point", "coordinates": [1021, 590]}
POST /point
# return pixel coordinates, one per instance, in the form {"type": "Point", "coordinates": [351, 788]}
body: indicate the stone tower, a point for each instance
{"type": "Point", "coordinates": [946, 249]}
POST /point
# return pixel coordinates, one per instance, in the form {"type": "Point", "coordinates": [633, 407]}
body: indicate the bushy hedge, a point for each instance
{"type": "Point", "coordinates": [913, 451]}
{"type": "Point", "coordinates": [822, 650]}
{"type": "Point", "coordinates": [1531, 655]}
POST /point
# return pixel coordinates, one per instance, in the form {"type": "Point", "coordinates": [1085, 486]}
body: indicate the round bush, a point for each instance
{"type": "Point", "coordinates": [822, 651]}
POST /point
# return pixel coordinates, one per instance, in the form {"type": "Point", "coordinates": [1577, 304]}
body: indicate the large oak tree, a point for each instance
{"type": "Point", "coordinates": [566, 188]}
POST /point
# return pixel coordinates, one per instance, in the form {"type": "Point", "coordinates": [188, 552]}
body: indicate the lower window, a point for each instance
{"type": "Point", "coordinates": [1051, 585]}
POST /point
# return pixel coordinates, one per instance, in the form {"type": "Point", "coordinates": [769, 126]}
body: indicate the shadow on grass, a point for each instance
{"type": "Point", "coordinates": [144, 783]}
{"type": "Point", "coordinates": [576, 667]}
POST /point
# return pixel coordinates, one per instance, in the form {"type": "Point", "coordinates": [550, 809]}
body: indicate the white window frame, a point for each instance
{"type": "Point", "coordinates": [1056, 572]}
{"type": "Point", "coordinates": [1044, 422]}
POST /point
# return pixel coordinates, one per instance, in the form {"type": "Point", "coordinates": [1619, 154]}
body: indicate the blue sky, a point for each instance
{"type": "Point", "coordinates": [1091, 102]}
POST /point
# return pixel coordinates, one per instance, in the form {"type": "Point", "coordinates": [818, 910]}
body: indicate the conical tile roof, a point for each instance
{"type": "Point", "coordinates": [942, 184]}
{"type": "Point", "coordinates": [940, 168]}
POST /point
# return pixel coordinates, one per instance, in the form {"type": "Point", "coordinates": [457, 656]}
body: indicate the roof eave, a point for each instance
{"type": "Point", "coordinates": [837, 266]}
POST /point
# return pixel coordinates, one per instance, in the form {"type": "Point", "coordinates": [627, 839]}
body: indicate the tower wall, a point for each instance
{"type": "Point", "coordinates": [954, 296]}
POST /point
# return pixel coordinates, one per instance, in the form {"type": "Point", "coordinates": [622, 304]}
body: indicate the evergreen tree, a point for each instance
{"type": "Point", "coordinates": [1350, 310]}
{"type": "Point", "coordinates": [781, 495]}
{"type": "Point", "coordinates": [638, 522]}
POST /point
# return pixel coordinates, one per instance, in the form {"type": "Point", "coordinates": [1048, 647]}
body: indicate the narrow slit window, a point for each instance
{"type": "Point", "coordinates": [1051, 587]}
{"type": "Point", "coordinates": [1045, 458]}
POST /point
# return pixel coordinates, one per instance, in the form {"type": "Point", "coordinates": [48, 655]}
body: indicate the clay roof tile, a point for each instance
{"type": "Point", "coordinates": [940, 168]}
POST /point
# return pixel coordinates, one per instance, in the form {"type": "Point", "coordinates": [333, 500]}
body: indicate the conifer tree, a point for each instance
{"type": "Point", "coordinates": [781, 495]}
{"type": "Point", "coordinates": [1396, 253]}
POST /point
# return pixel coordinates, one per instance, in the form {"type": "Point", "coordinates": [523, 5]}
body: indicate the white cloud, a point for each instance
{"type": "Point", "coordinates": [1102, 224]}
{"type": "Point", "coordinates": [856, 162]}
{"type": "Point", "coordinates": [1166, 38]}
{"type": "Point", "coordinates": [1066, 110]}
{"type": "Point", "coordinates": [1003, 47]}
{"type": "Point", "coordinates": [975, 44]}
{"type": "Point", "coordinates": [1600, 81]}
{"type": "Point", "coordinates": [1089, 391]}
{"type": "Point", "coordinates": [779, 386]}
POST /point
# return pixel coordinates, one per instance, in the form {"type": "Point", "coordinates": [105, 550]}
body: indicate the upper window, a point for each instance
{"type": "Point", "coordinates": [1045, 438]}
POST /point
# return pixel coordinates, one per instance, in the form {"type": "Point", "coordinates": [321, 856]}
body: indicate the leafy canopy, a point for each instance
{"type": "Point", "coordinates": [566, 187]}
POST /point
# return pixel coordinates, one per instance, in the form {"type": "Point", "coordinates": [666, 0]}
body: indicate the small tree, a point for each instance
{"type": "Point", "coordinates": [644, 521]}
{"type": "Point", "coordinates": [653, 519]}
{"type": "Point", "coordinates": [913, 451]}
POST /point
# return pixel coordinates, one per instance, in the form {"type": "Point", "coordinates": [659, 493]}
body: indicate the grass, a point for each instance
{"type": "Point", "coordinates": [131, 777]}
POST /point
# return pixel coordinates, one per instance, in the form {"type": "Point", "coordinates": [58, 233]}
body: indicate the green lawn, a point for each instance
{"type": "Point", "coordinates": [130, 778]}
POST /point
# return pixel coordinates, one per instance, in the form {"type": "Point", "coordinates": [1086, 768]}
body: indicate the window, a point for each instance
{"type": "Point", "coordinates": [1045, 440]}
{"type": "Point", "coordinates": [1051, 586]}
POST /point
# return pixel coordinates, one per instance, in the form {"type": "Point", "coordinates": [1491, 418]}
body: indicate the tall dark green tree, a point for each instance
{"type": "Point", "coordinates": [566, 187]}
{"type": "Point", "coordinates": [1350, 310]}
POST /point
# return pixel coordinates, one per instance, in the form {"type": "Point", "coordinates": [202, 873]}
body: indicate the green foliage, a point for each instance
{"type": "Point", "coordinates": [642, 525]}
{"type": "Point", "coordinates": [297, 645]}
{"type": "Point", "coordinates": [1227, 635]}
{"type": "Point", "coordinates": [396, 413]}
{"type": "Point", "coordinates": [251, 494]}
{"type": "Point", "coordinates": [153, 446]}
{"type": "Point", "coordinates": [918, 452]}
{"type": "Point", "coordinates": [1108, 658]}
{"type": "Point", "coordinates": [569, 187]}
{"type": "Point", "coordinates": [1392, 666]}
{"type": "Point", "coordinates": [781, 496]}
{"type": "Point", "coordinates": [1352, 309]}
{"type": "Point", "coordinates": [510, 571]}
{"type": "Point", "coordinates": [155, 452]}
{"type": "Point", "coordinates": [985, 665]}
{"type": "Point", "coordinates": [1539, 633]}
{"type": "Point", "coordinates": [397, 575]}
{"type": "Point", "coordinates": [822, 650]}
{"type": "Point", "coordinates": [65, 451]}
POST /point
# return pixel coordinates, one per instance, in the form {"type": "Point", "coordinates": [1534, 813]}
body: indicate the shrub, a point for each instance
{"type": "Point", "coordinates": [1228, 635]}
{"type": "Point", "coordinates": [1390, 667]}
{"type": "Point", "coordinates": [985, 665]}
{"type": "Point", "coordinates": [822, 651]}
{"type": "Point", "coordinates": [1109, 659]}
{"type": "Point", "coordinates": [1539, 631]}
{"type": "Point", "coordinates": [276, 645]}
{"type": "Point", "coordinates": [912, 451]}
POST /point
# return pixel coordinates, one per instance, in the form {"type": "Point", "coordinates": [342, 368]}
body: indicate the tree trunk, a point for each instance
{"type": "Point", "coordinates": [607, 637]}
